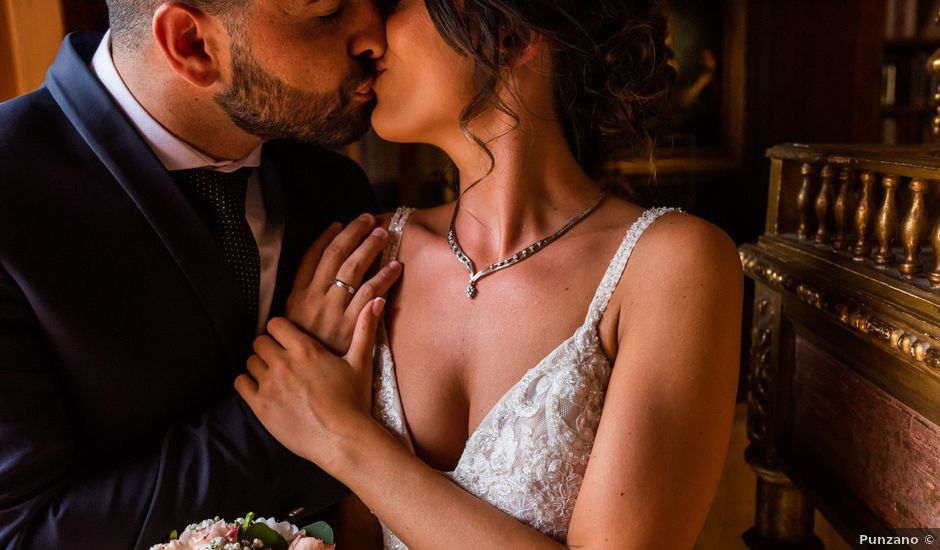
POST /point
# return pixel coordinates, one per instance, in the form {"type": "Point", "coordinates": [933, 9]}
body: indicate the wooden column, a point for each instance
{"type": "Point", "coordinates": [30, 34]}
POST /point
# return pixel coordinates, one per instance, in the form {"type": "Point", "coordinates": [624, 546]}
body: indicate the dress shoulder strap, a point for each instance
{"type": "Point", "coordinates": [617, 265]}
{"type": "Point", "coordinates": [395, 228]}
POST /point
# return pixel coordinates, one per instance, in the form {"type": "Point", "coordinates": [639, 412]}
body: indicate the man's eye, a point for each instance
{"type": "Point", "coordinates": [326, 11]}
{"type": "Point", "coordinates": [331, 14]}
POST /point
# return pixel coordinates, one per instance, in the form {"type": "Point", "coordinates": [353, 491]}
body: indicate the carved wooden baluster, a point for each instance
{"type": "Point", "coordinates": [934, 275]}
{"type": "Point", "coordinates": [933, 66]}
{"type": "Point", "coordinates": [886, 227]}
{"type": "Point", "coordinates": [914, 228]}
{"type": "Point", "coordinates": [863, 216]}
{"type": "Point", "coordinates": [843, 207]}
{"type": "Point", "coordinates": [805, 200]}
{"type": "Point", "coordinates": [823, 202]}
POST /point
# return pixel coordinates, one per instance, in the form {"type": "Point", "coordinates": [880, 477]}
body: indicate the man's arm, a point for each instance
{"type": "Point", "coordinates": [52, 495]}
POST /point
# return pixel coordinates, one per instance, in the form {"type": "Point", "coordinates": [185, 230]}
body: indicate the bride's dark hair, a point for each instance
{"type": "Point", "coordinates": [610, 61]}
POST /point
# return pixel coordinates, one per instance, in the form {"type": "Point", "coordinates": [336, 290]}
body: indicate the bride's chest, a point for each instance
{"type": "Point", "coordinates": [456, 359]}
{"type": "Point", "coordinates": [444, 342]}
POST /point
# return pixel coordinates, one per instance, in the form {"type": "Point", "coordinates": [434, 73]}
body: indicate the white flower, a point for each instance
{"type": "Point", "coordinates": [288, 531]}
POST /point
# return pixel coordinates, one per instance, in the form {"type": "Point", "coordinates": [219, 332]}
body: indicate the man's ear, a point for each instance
{"type": "Point", "coordinates": [189, 40]}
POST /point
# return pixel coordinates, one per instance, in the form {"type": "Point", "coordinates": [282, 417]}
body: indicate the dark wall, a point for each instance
{"type": "Point", "coordinates": [814, 76]}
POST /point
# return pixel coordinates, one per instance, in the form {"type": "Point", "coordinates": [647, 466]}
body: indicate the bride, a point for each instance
{"type": "Point", "coordinates": [557, 366]}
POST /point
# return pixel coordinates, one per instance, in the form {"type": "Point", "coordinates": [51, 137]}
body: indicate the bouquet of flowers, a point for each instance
{"type": "Point", "coordinates": [249, 533]}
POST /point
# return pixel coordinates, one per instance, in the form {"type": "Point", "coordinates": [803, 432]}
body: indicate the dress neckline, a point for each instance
{"type": "Point", "coordinates": [596, 309]}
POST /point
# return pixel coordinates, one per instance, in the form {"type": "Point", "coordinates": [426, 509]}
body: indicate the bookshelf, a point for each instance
{"type": "Point", "coordinates": [910, 38]}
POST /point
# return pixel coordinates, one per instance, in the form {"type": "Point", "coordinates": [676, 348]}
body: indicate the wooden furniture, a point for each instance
{"type": "Point", "coordinates": [844, 380]}
{"type": "Point", "coordinates": [30, 33]}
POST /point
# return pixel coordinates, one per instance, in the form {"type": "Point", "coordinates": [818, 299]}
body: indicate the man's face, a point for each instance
{"type": "Point", "coordinates": [304, 69]}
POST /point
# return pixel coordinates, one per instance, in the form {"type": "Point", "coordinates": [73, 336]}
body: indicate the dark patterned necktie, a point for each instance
{"type": "Point", "coordinates": [220, 199]}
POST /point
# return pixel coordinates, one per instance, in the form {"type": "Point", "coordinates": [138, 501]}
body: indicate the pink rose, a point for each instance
{"type": "Point", "coordinates": [197, 538]}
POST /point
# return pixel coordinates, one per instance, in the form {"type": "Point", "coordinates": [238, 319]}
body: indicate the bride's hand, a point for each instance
{"type": "Point", "coordinates": [307, 397]}
{"type": "Point", "coordinates": [322, 307]}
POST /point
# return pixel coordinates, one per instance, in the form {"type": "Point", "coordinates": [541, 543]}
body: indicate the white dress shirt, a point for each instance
{"type": "Point", "coordinates": [175, 154]}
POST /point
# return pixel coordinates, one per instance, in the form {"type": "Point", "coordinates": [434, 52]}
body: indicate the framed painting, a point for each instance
{"type": "Point", "coordinates": [705, 129]}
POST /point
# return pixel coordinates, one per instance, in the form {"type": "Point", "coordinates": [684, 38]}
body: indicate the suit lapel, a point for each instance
{"type": "Point", "coordinates": [291, 196]}
{"type": "Point", "coordinates": [277, 210]}
{"type": "Point", "coordinates": [120, 148]}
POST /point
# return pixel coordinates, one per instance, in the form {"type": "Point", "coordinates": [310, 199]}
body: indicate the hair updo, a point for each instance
{"type": "Point", "coordinates": [611, 65]}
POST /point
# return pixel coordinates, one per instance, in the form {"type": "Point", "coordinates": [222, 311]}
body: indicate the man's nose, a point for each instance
{"type": "Point", "coordinates": [368, 37]}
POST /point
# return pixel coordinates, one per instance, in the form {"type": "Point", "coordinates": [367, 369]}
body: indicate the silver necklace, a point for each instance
{"type": "Point", "coordinates": [511, 260]}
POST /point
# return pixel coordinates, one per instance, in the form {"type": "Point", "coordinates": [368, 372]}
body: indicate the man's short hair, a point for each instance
{"type": "Point", "coordinates": [130, 19]}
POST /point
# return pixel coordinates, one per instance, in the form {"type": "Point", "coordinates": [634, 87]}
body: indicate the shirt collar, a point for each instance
{"type": "Point", "coordinates": [174, 153]}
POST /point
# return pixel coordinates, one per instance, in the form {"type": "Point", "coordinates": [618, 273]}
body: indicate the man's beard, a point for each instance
{"type": "Point", "coordinates": [263, 105]}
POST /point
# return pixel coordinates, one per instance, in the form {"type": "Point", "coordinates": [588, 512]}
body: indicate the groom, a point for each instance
{"type": "Point", "coordinates": [155, 200]}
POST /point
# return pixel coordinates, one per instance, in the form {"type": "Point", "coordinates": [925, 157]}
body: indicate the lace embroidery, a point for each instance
{"type": "Point", "coordinates": [395, 228]}
{"type": "Point", "coordinates": [529, 454]}
{"type": "Point", "coordinates": [385, 405]}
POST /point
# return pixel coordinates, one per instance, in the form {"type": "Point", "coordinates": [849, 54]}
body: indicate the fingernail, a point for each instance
{"type": "Point", "coordinates": [365, 217]}
{"type": "Point", "coordinates": [379, 232]}
{"type": "Point", "coordinates": [394, 264]}
{"type": "Point", "coordinates": [378, 305]}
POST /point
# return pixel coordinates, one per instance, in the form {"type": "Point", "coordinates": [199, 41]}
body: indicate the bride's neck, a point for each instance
{"type": "Point", "coordinates": [535, 187]}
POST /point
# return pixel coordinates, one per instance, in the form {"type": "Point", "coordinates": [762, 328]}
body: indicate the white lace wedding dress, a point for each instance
{"type": "Point", "coordinates": [528, 455]}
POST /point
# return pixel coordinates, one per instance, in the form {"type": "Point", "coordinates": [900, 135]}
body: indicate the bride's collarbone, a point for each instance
{"type": "Point", "coordinates": [520, 312]}
{"type": "Point", "coordinates": [515, 320]}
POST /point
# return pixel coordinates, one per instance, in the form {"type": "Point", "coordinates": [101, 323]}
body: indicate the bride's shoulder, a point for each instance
{"type": "Point", "coordinates": [678, 250]}
{"type": "Point", "coordinates": [680, 264]}
{"type": "Point", "coordinates": [674, 238]}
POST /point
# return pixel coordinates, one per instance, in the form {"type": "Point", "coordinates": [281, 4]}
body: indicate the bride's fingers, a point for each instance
{"type": "Point", "coordinates": [311, 258]}
{"type": "Point", "coordinates": [378, 285]}
{"type": "Point", "coordinates": [354, 269]}
{"type": "Point", "coordinates": [360, 350]}
{"type": "Point", "coordinates": [292, 338]}
{"type": "Point", "coordinates": [247, 388]}
{"type": "Point", "coordinates": [256, 368]}
{"type": "Point", "coordinates": [339, 250]}
{"type": "Point", "coordinates": [267, 348]}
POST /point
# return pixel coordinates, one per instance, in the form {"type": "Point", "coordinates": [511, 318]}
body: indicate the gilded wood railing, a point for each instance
{"type": "Point", "coordinates": [878, 206]}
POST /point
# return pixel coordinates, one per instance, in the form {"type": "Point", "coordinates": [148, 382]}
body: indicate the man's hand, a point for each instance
{"type": "Point", "coordinates": [325, 309]}
{"type": "Point", "coordinates": [309, 398]}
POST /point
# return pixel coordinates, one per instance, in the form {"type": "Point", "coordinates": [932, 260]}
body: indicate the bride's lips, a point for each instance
{"type": "Point", "coordinates": [380, 67]}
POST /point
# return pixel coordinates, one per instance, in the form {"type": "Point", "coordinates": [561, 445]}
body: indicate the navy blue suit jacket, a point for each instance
{"type": "Point", "coordinates": [121, 328]}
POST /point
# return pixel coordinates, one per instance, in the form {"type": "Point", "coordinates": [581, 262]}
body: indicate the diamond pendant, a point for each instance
{"type": "Point", "coordinates": [511, 260]}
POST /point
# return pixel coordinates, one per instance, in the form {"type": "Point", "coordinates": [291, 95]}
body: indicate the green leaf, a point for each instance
{"type": "Point", "coordinates": [174, 535]}
{"type": "Point", "coordinates": [322, 531]}
{"type": "Point", "coordinates": [265, 534]}
{"type": "Point", "coordinates": [247, 521]}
